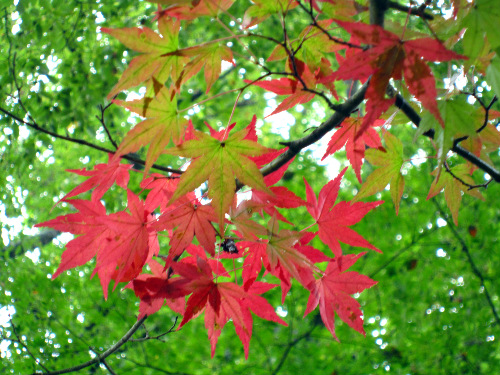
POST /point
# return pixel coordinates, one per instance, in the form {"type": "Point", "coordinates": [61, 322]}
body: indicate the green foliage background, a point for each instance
{"type": "Point", "coordinates": [427, 315]}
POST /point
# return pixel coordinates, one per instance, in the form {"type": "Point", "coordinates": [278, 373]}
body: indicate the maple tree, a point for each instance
{"type": "Point", "coordinates": [204, 233]}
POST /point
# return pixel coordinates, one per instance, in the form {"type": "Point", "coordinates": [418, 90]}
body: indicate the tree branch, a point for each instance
{"type": "Point", "coordinates": [99, 358]}
{"type": "Point", "coordinates": [37, 240]}
{"type": "Point", "coordinates": [334, 121]}
{"type": "Point", "coordinates": [414, 117]}
{"type": "Point", "coordinates": [414, 11]}
{"type": "Point", "coordinates": [377, 12]}
{"type": "Point", "coordinates": [131, 158]}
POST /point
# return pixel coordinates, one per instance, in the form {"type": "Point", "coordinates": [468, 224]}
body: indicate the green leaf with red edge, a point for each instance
{"type": "Point", "coordinates": [355, 141]}
{"type": "Point", "coordinates": [224, 301]}
{"type": "Point", "coordinates": [332, 293]}
{"type": "Point", "coordinates": [220, 161]}
{"type": "Point", "coordinates": [154, 60]}
{"type": "Point", "coordinates": [390, 57]}
{"type": "Point", "coordinates": [281, 253]}
{"type": "Point", "coordinates": [162, 125]}
{"type": "Point", "coordinates": [209, 56]}
{"type": "Point", "coordinates": [453, 188]}
{"type": "Point", "coordinates": [334, 219]}
{"type": "Point", "coordinates": [390, 160]}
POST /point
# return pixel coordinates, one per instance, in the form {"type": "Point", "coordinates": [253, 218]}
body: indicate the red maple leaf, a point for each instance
{"type": "Point", "coordinates": [282, 197]}
{"type": "Point", "coordinates": [121, 242]}
{"type": "Point", "coordinates": [94, 234]}
{"type": "Point", "coordinates": [132, 244]}
{"type": "Point", "coordinates": [292, 87]}
{"type": "Point", "coordinates": [162, 188]}
{"type": "Point", "coordinates": [158, 289]}
{"type": "Point", "coordinates": [334, 219]}
{"type": "Point", "coordinates": [391, 57]}
{"type": "Point", "coordinates": [281, 255]}
{"type": "Point", "coordinates": [355, 141]}
{"type": "Point", "coordinates": [332, 293]}
{"type": "Point", "coordinates": [224, 301]}
{"type": "Point", "coordinates": [191, 218]}
{"type": "Point", "coordinates": [102, 177]}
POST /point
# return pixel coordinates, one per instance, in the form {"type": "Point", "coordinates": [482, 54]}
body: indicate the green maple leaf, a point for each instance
{"type": "Point", "coordinates": [453, 188]}
{"type": "Point", "coordinates": [162, 125]}
{"type": "Point", "coordinates": [390, 162]}
{"type": "Point", "coordinates": [482, 19]}
{"type": "Point", "coordinates": [220, 159]}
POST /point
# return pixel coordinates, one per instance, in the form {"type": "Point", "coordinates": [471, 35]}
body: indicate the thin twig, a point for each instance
{"type": "Point", "coordinates": [290, 346]}
{"type": "Point", "coordinates": [158, 337]}
{"type": "Point", "coordinates": [469, 186]}
{"type": "Point", "coordinates": [466, 250]}
{"type": "Point", "coordinates": [21, 342]}
{"type": "Point", "coordinates": [101, 119]}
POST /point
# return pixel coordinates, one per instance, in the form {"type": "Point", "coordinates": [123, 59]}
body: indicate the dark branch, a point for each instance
{"type": "Point", "coordinates": [377, 12]}
{"type": "Point", "coordinates": [29, 243]}
{"type": "Point", "coordinates": [406, 9]}
{"type": "Point", "coordinates": [414, 117]}
{"type": "Point", "coordinates": [101, 357]}
{"type": "Point", "coordinates": [129, 157]}
{"type": "Point", "coordinates": [334, 121]}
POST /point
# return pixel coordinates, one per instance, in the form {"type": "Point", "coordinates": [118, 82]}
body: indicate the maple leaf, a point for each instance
{"type": "Point", "coordinates": [262, 9]}
{"type": "Point", "coordinates": [281, 255]}
{"type": "Point", "coordinates": [281, 197]}
{"type": "Point", "coordinates": [241, 218]}
{"type": "Point", "coordinates": [154, 60]}
{"type": "Point", "coordinates": [334, 219]}
{"type": "Point", "coordinates": [192, 9]}
{"type": "Point", "coordinates": [158, 289]}
{"type": "Point", "coordinates": [219, 161]}
{"type": "Point", "coordinates": [453, 188]}
{"type": "Point", "coordinates": [292, 87]}
{"type": "Point", "coordinates": [391, 57]}
{"type": "Point", "coordinates": [481, 19]}
{"type": "Point", "coordinates": [102, 178]}
{"type": "Point", "coordinates": [355, 141]}
{"type": "Point", "coordinates": [224, 301]}
{"type": "Point", "coordinates": [130, 247]}
{"type": "Point", "coordinates": [161, 190]}
{"type": "Point", "coordinates": [332, 293]}
{"type": "Point", "coordinates": [191, 218]}
{"type": "Point", "coordinates": [390, 160]}
{"type": "Point", "coordinates": [209, 56]}
{"type": "Point", "coordinates": [94, 234]}
{"type": "Point", "coordinates": [162, 125]}
{"type": "Point", "coordinates": [122, 243]}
